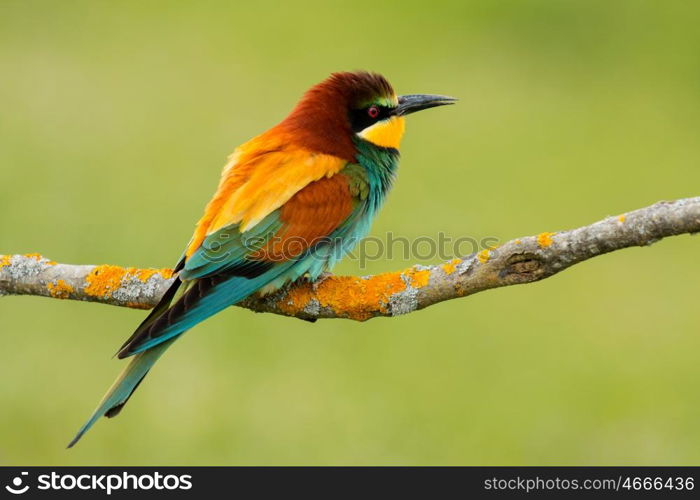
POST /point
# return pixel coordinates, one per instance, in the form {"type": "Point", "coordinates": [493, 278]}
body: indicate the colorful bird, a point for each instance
{"type": "Point", "coordinates": [290, 203]}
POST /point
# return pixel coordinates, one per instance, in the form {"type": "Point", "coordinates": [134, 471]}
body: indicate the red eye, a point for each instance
{"type": "Point", "coordinates": [373, 111]}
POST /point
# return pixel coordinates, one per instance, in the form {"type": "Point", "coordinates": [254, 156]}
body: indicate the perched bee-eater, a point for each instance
{"type": "Point", "coordinates": [290, 203]}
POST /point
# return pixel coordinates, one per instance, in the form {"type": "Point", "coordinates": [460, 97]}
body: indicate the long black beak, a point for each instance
{"type": "Point", "coordinates": [415, 102]}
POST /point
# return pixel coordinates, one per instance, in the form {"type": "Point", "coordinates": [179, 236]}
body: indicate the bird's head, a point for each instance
{"type": "Point", "coordinates": [352, 106]}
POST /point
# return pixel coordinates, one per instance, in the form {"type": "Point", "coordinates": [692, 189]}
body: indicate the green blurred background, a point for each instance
{"type": "Point", "coordinates": [116, 118]}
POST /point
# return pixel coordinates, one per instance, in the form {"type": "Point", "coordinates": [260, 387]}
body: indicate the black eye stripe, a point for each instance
{"type": "Point", "coordinates": [360, 118]}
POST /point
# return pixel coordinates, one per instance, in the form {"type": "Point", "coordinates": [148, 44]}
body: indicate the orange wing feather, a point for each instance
{"type": "Point", "coordinates": [261, 176]}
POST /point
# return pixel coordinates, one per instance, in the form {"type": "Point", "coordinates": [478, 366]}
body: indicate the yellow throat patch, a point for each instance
{"type": "Point", "coordinates": [386, 133]}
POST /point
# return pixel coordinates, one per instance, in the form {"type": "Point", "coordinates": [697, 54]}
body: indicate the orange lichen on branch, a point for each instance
{"type": "Point", "coordinates": [166, 272]}
{"type": "Point", "coordinates": [545, 239]}
{"type": "Point", "coordinates": [6, 260]}
{"type": "Point", "coordinates": [484, 255]}
{"type": "Point", "coordinates": [350, 296]}
{"type": "Point", "coordinates": [358, 296]}
{"type": "Point", "coordinates": [60, 289]}
{"type": "Point", "coordinates": [297, 299]}
{"type": "Point", "coordinates": [104, 280]}
{"type": "Point", "coordinates": [145, 274]}
{"type": "Point", "coordinates": [621, 218]}
{"type": "Point", "coordinates": [418, 277]}
{"type": "Point", "coordinates": [451, 266]}
{"type": "Point", "coordinates": [38, 257]}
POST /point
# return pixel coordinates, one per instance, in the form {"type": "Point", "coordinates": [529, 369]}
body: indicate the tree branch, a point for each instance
{"type": "Point", "coordinates": [518, 261]}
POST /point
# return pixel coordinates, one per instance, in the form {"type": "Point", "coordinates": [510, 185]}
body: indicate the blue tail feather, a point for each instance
{"type": "Point", "coordinates": [146, 350]}
{"type": "Point", "coordinates": [124, 386]}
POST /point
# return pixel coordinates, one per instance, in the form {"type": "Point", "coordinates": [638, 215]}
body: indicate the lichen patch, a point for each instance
{"type": "Point", "coordinates": [451, 266]}
{"type": "Point", "coordinates": [21, 267]}
{"type": "Point", "coordinates": [60, 289]}
{"type": "Point", "coordinates": [418, 278]}
{"type": "Point", "coordinates": [484, 255]}
{"type": "Point", "coordinates": [545, 239]}
{"type": "Point", "coordinates": [145, 274]}
{"type": "Point", "coordinates": [358, 298]}
{"type": "Point", "coordinates": [104, 280]}
{"type": "Point", "coordinates": [40, 258]}
{"type": "Point", "coordinates": [107, 281]}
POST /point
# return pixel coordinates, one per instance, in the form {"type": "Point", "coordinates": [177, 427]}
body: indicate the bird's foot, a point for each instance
{"type": "Point", "coordinates": [321, 278]}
